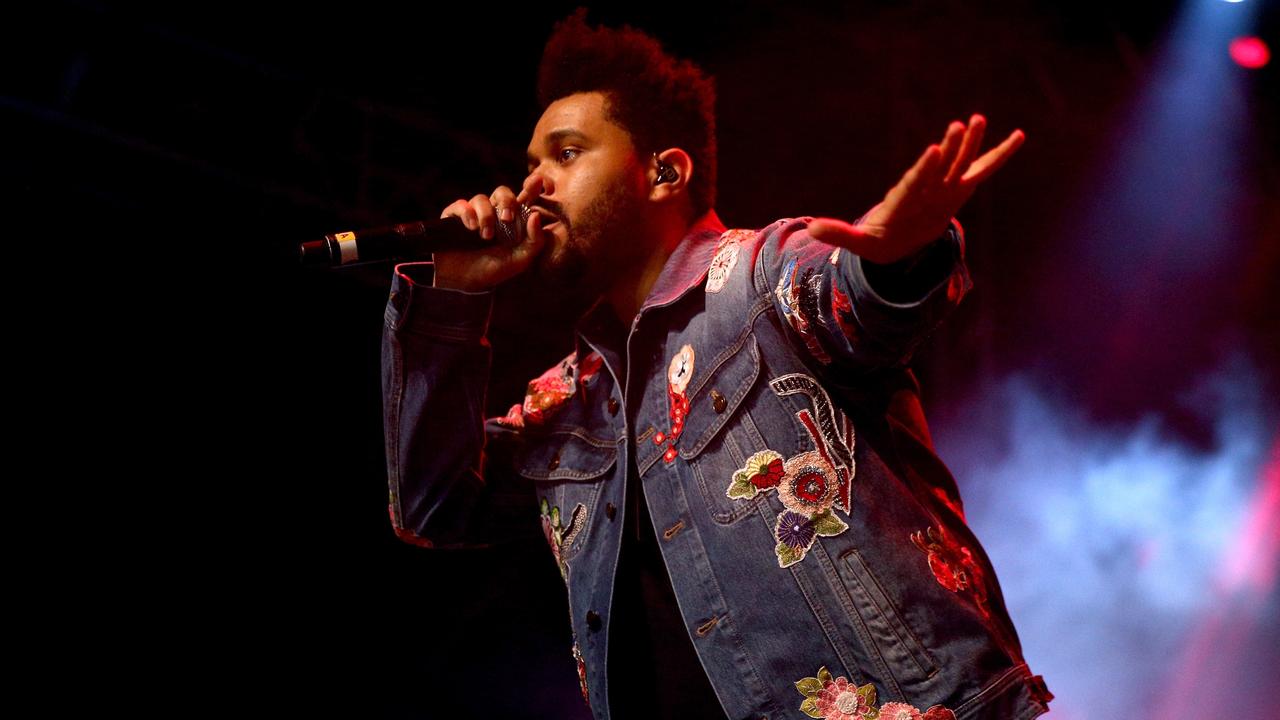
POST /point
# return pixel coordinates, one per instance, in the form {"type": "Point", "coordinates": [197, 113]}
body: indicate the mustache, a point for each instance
{"type": "Point", "coordinates": [547, 208]}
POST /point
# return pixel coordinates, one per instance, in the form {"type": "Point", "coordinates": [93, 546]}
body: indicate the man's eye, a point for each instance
{"type": "Point", "coordinates": [563, 157]}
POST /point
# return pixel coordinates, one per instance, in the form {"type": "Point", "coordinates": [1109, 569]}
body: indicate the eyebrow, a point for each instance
{"type": "Point", "coordinates": [554, 137]}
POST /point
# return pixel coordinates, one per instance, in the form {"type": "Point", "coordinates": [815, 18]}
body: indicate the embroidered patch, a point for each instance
{"type": "Point", "coordinates": [762, 471]}
{"type": "Point", "coordinates": [797, 532]}
{"type": "Point", "coordinates": [679, 373]}
{"type": "Point", "coordinates": [799, 301]}
{"type": "Point", "coordinates": [831, 430]}
{"type": "Point", "coordinates": [726, 256]}
{"type": "Point", "coordinates": [903, 711]}
{"type": "Point", "coordinates": [561, 536]}
{"type": "Point", "coordinates": [582, 673]}
{"type": "Point", "coordinates": [952, 565]}
{"type": "Point", "coordinates": [809, 484]}
{"type": "Point", "coordinates": [514, 417]}
{"type": "Point", "coordinates": [838, 699]}
{"type": "Point", "coordinates": [548, 392]}
{"type": "Point", "coordinates": [842, 311]}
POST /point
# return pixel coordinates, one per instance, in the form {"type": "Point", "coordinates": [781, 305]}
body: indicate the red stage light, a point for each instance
{"type": "Point", "coordinates": [1250, 52]}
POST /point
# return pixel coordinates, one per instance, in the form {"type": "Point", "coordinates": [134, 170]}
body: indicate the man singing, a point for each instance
{"type": "Point", "coordinates": [732, 469]}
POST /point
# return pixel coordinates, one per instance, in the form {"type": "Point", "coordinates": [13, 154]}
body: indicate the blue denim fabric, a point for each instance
{"type": "Point", "coordinates": [903, 598]}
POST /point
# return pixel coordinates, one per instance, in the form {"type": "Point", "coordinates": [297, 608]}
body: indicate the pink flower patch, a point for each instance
{"type": "Point", "coordinates": [840, 700]}
{"type": "Point", "coordinates": [903, 711]}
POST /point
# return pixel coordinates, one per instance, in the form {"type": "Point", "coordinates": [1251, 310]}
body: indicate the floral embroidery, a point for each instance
{"type": "Point", "coordinates": [762, 471]}
{"type": "Point", "coordinates": [797, 532]}
{"type": "Point", "coordinates": [810, 484]}
{"type": "Point", "coordinates": [838, 699]}
{"type": "Point", "coordinates": [830, 429]}
{"type": "Point", "coordinates": [514, 417]}
{"type": "Point", "coordinates": [561, 536]}
{"type": "Point", "coordinates": [582, 673]}
{"type": "Point", "coordinates": [679, 372]}
{"type": "Point", "coordinates": [952, 565]}
{"type": "Point", "coordinates": [724, 260]}
{"type": "Point", "coordinates": [903, 711]}
{"type": "Point", "coordinates": [548, 392]}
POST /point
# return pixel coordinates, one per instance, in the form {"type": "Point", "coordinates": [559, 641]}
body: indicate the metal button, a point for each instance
{"type": "Point", "coordinates": [554, 462]}
{"type": "Point", "coordinates": [717, 401]}
{"type": "Point", "coordinates": [593, 620]}
{"type": "Point", "coordinates": [610, 510]}
{"type": "Point", "coordinates": [613, 406]}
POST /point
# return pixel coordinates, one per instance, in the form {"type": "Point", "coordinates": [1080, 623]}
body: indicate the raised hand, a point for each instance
{"type": "Point", "coordinates": [918, 209]}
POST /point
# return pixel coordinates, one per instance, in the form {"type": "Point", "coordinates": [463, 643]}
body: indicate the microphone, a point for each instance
{"type": "Point", "coordinates": [406, 240]}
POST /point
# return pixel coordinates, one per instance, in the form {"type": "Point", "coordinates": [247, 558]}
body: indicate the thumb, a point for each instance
{"type": "Point", "coordinates": [839, 233]}
{"type": "Point", "coordinates": [535, 239]}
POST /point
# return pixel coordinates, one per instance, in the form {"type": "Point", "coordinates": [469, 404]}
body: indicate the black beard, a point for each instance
{"type": "Point", "coordinates": [601, 246]}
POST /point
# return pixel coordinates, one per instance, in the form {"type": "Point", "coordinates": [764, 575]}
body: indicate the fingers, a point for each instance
{"type": "Point", "coordinates": [951, 143]}
{"type": "Point", "coordinates": [969, 147]}
{"type": "Point", "coordinates": [462, 209]}
{"type": "Point", "coordinates": [982, 168]}
{"type": "Point", "coordinates": [531, 188]}
{"type": "Point", "coordinates": [504, 202]}
{"type": "Point", "coordinates": [483, 212]}
{"type": "Point", "coordinates": [534, 240]}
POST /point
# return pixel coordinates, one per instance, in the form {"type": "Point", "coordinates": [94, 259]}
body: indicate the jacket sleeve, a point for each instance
{"type": "Point", "coordinates": [450, 479]}
{"type": "Point", "coordinates": [848, 314]}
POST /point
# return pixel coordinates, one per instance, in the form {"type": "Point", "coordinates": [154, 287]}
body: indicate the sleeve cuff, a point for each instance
{"type": "Point", "coordinates": [417, 307]}
{"type": "Point", "coordinates": [927, 291]}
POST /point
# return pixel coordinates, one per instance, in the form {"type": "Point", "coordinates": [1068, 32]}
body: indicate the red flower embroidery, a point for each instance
{"type": "Point", "coordinates": [952, 565]}
{"type": "Point", "coordinates": [770, 476]}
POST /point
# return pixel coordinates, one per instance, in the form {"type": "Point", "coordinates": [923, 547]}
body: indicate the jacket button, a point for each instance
{"type": "Point", "coordinates": [554, 462]}
{"type": "Point", "coordinates": [610, 510]}
{"type": "Point", "coordinates": [717, 401]}
{"type": "Point", "coordinates": [593, 620]}
{"type": "Point", "coordinates": [613, 406]}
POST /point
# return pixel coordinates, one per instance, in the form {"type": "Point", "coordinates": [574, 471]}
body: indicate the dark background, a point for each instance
{"type": "Point", "coordinates": [171, 157]}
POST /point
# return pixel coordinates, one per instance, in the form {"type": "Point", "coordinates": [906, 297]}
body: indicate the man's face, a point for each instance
{"type": "Point", "coordinates": [590, 178]}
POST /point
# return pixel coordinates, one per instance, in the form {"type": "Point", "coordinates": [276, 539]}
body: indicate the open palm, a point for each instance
{"type": "Point", "coordinates": [918, 209]}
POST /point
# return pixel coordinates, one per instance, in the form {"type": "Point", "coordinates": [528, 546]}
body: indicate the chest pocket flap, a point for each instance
{"type": "Point", "coordinates": [566, 454]}
{"type": "Point", "coordinates": [718, 394]}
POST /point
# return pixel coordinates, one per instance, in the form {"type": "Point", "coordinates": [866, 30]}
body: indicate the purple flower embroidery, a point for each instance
{"type": "Point", "coordinates": [795, 530]}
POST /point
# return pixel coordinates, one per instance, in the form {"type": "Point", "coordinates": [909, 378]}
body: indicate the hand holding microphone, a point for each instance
{"type": "Point", "coordinates": [467, 255]}
{"type": "Point", "coordinates": [489, 265]}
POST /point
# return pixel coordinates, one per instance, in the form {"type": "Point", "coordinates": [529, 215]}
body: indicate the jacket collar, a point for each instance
{"type": "Point", "coordinates": [684, 270]}
{"type": "Point", "coordinates": [688, 263]}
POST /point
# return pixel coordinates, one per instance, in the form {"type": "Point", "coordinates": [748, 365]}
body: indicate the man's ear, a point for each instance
{"type": "Point", "coordinates": [669, 174]}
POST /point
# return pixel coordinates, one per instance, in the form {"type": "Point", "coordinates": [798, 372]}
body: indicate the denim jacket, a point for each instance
{"type": "Point", "coordinates": [815, 543]}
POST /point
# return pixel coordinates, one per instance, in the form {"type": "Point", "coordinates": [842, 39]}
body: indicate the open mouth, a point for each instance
{"type": "Point", "coordinates": [547, 218]}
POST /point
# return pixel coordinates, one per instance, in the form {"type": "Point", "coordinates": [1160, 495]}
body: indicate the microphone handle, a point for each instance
{"type": "Point", "coordinates": [406, 240]}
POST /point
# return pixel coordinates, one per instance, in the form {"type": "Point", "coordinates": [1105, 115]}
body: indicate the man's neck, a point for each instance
{"type": "Point", "coordinates": [629, 293]}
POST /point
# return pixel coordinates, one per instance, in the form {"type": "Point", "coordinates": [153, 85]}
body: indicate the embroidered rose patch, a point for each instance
{"type": "Point", "coordinates": [952, 565]}
{"type": "Point", "coordinates": [838, 699]}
